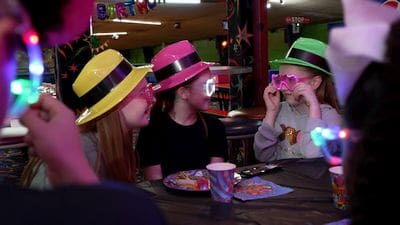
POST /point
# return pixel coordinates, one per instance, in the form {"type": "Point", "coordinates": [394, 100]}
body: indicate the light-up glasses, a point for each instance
{"type": "Point", "coordinates": [333, 142]}
{"type": "Point", "coordinates": [287, 80]}
{"type": "Point", "coordinates": [23, 91]}
{"type": "Point", "coordinates": [26, 91]}
{"type": "Point", "coordinates": [145, 92]}
{"type": "Point", "coordinates": [209, 87]}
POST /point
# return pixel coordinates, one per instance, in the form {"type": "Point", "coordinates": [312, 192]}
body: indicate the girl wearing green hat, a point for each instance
{"type": "Point", "coordinates": [305, 83]}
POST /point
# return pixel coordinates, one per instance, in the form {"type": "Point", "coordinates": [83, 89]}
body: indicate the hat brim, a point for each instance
{"type": "Point", "coordinates": [293, 61]}
{"type": "Point", "coordinates": [115, 96]}
{"type": "Point", "coordinates": [181, 77]}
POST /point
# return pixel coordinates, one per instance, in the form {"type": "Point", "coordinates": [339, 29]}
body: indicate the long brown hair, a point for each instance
{"type": "Point", "coordinates": [166, 99]}
{"type": "Point", "coordinates": [326, 93]}
{"type": "Point", "coordinates": [116, 158]}
{"type": "Point", "coordinates": [30, 171]}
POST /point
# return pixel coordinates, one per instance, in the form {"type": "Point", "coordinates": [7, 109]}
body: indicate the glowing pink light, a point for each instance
{"type": "Point", "coordinates": [334, 161]}
{"type": "Point", "coordinates": [30, 38]}
{"type": "Point", "coordinates": [343, 134]}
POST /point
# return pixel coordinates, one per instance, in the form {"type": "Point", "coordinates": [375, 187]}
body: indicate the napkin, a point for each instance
{"type": "Point", "coordinates": [256, 188]}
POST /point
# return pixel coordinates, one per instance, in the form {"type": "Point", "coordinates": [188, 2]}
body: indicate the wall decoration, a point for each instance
{"type": "Point", "coordinates": [131, 7]}
{"type": "Point", "coordinates": [123, 9]}
{"type": "Point", "coordinates": [240, 51]}
{"type": "Point", "coordinates": [142, 6]}
{"type": "Point", "coordinates": [72, 57]}
{"type": "Point", "coordinates": [101, 10]}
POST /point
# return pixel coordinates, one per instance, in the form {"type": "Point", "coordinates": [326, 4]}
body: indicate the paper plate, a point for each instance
{"type": "Point", "coordinates": [192, 180]}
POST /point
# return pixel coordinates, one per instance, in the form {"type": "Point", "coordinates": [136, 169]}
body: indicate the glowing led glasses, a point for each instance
{"type": "Point", "coordinates": [333, 142]}
{"type": "Point", "coordinates": [147, 93]}
{"type": "Point", "coordinates": [26, 91]}
{"type": "Point", "coordinates": [287, 80]}
{"type": "Point", "coordinates": [209, 87]}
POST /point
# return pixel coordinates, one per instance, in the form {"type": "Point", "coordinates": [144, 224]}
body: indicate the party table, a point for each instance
{"type": "Point", "coordinates": [309, 203]}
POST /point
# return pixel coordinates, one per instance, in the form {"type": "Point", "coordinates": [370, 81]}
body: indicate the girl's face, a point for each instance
{"type": "Point", "coordinates": [137, 105]}
{"type": "Point", "coordinates": [302, 75]}
{"type": "Point", "coordinates": [200, 91]}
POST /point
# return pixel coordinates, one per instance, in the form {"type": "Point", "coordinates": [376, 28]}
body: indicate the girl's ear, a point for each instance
{"type": "Point", "coordinates": [183, 93]}
{"type": "Point", "coordinates": [316, 82]}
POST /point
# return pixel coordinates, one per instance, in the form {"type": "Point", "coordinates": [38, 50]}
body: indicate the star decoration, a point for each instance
{"type": "Point", "coordinates": [243, 35]}
{"type": "Point", "coordinates": [73, 68]}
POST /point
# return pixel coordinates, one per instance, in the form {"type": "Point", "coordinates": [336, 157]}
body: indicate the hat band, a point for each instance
{"type": "Point", "coordinates": [98, 92]}
{"type": "Point", "coordinates": [309, 57]}
{"type": "Point", "coordinates": [177, 66]}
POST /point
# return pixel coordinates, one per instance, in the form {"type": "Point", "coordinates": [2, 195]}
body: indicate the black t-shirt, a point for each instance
{"type": "Point", "coordinates": [105, 204]}
{"type": "Point", "coordinates": [176, 147]}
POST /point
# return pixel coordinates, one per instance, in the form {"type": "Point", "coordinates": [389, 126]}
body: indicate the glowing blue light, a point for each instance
{"type": "Point", "coordinates": [320, 136]}
{"type": "Point", "coordinates": [16, 87]}
{"type": "Point", "coordinates": [328, 134]}
{"type": "Point", "coordinates": [316, 137]}
{"type": "Point", "coordinates": [36, 68]}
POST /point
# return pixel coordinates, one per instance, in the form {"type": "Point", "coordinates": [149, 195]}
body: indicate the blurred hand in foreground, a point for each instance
{"type": "Point", "coordinates": [54, 137]}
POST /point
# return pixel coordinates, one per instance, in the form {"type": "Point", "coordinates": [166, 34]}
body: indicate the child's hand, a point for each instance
{"type": "Point", "coordinates": [306, 92]}
{"type": "Point", "coordinates": [272, 98]}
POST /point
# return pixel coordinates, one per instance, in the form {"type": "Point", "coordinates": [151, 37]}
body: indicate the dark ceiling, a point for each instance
{"type": "Point", "coordinates": [203, 21]}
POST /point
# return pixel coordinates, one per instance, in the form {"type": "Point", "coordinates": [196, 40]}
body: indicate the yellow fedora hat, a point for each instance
{"type": "Point", "coordinates": [104, 82]}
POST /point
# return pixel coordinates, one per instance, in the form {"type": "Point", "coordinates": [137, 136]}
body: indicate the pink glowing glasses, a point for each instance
{"type": "Point", "coordinates": [146, 92]}
{"type": "Point", "coordinates": [289, 80]}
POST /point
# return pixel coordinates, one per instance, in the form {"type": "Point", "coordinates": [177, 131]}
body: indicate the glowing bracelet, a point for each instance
{"type": "Point", "coordinates": [27, 91]}
{"type": "Point", "coordinates": [320, 137]}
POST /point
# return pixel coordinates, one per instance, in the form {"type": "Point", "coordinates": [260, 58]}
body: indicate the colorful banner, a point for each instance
{"type": "Point", "coordinates": [123, 9]}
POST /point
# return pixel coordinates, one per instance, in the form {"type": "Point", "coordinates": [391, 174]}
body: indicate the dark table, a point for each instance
{"type": "Point", "coordinates": [309, 203]}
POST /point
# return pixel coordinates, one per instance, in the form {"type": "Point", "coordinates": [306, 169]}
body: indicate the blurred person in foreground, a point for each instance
{"type": "Point", "coordinates": [80, 198]}
{"type": "Point", "coordinates": [365, 60]}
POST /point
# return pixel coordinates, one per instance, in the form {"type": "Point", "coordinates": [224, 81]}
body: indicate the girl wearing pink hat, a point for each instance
{"type": "Point", "coordinates": [186, 137]}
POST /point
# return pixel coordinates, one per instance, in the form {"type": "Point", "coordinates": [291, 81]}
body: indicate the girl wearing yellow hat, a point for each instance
{"type": "Point", "coordinates": [118, 100]}
{"type": "Point", "coordinates": [306, 84]}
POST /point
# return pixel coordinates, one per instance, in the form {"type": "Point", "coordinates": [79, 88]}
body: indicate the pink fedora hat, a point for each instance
{"type": "Point", "coordinates": [176, 64]}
